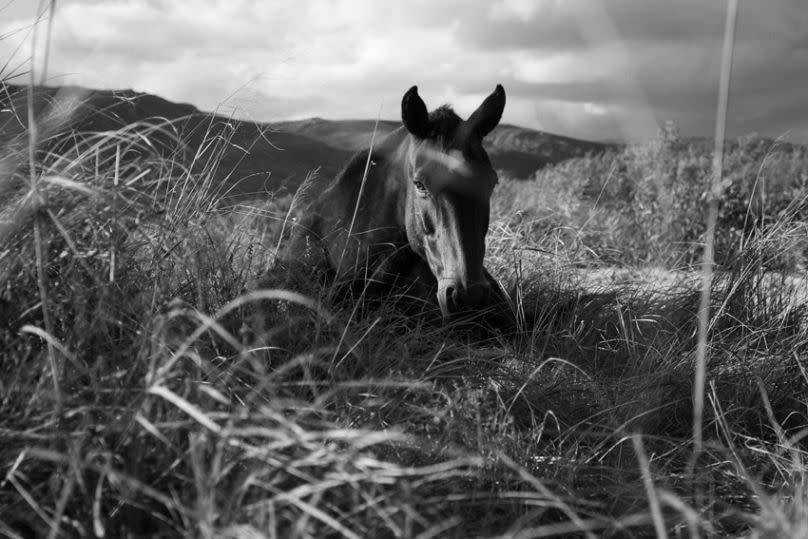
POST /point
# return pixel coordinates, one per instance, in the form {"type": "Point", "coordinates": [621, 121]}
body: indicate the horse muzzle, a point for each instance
{"type": "Point", "coordinates": [455, 297]}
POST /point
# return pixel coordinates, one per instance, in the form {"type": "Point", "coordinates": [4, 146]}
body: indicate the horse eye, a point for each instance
{"type": "Point", "coordinates": [419, 185]}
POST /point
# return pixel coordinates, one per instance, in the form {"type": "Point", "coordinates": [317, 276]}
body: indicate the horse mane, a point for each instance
{"type": "Point", "coordinates": [443, 125]}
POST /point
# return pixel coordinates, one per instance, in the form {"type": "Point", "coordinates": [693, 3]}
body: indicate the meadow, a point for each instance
{"type": "Point", "coordinates": [147, 387]}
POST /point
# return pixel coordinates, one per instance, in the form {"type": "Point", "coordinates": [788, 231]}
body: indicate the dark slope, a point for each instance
{"type": "Point", "coordinates": [255, 159]}
{"type": "Point", "coordinates": [517, 151]}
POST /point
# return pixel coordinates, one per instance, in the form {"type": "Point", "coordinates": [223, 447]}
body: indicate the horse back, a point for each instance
{"type": "Point", "coordinates": [356, 220]}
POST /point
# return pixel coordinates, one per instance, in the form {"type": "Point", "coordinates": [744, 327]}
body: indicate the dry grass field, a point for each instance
{"type": "Point", "coordinates": [147, 389]}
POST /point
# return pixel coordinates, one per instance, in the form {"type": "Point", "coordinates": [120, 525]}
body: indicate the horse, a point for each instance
{"type": "Point", "coordinates": [412, 211]}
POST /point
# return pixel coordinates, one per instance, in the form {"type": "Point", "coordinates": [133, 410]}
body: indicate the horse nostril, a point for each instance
{"type": "Point", "coordinates": [457, 297]}
{"type": "Point", "coordinates": [452, 299]}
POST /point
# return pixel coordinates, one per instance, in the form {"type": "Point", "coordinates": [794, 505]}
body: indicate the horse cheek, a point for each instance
{"type": "Point", "coordinates": [412, 224]}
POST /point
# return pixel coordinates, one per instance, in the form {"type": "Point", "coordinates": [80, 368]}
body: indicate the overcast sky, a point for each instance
{"type": "Point", "coordinates": [614, 69]}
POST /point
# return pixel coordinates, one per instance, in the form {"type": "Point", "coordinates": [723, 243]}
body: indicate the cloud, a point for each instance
{"type": "Point", "coordinates": [655, 59]}
{"type": "Point", "coordinates": [591, 70]}
{"type": "Point", "coordinates": [520, 10]}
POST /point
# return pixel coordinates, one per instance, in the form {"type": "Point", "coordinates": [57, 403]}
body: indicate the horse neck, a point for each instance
{"type": "Point", "coordinates": [391, 177]}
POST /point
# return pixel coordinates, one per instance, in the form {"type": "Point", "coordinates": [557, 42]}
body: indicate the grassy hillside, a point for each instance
{"type": "Point", "coordinates": [147, 389]}
{"type": "Point", "coordinates": [645, 204]}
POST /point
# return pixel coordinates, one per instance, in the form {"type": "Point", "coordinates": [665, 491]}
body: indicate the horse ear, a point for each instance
{"type": "Point", "coordinates": [483, 120]}
{"type": "Point", "coordinates": [414, 114]}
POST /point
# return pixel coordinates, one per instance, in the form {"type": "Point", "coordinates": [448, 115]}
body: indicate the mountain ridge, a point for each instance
{"type": "Point", "coordinates": [273, 156]}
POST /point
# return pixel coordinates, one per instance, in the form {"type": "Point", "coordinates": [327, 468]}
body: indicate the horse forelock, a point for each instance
{"type": "Point", "coordinates": [443, 126]}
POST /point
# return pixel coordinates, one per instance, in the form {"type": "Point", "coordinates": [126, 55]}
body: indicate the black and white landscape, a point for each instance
{"type": "Point", "coordinates": [256, 280]}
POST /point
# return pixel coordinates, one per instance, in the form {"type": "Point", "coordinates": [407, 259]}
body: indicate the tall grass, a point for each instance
{"type": "Point", "coordinates": [189, 411]}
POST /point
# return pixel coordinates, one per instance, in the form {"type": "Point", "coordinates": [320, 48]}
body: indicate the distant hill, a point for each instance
{"type": "Point", "coordinates": [255, 162]}
{"type": "Point", "coordinates": [517, 151]}
{"type": "Point", "coordinates": [269, 157]}
{"type": "Point", "coordinates": [349, 135]}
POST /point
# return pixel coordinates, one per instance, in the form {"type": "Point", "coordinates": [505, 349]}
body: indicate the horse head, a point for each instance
{"type": "Point", "coordinates": [450, 182]}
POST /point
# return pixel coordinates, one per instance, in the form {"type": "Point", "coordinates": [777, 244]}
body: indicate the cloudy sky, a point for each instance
{"type": "Point", "coordinates": [614, 69]}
